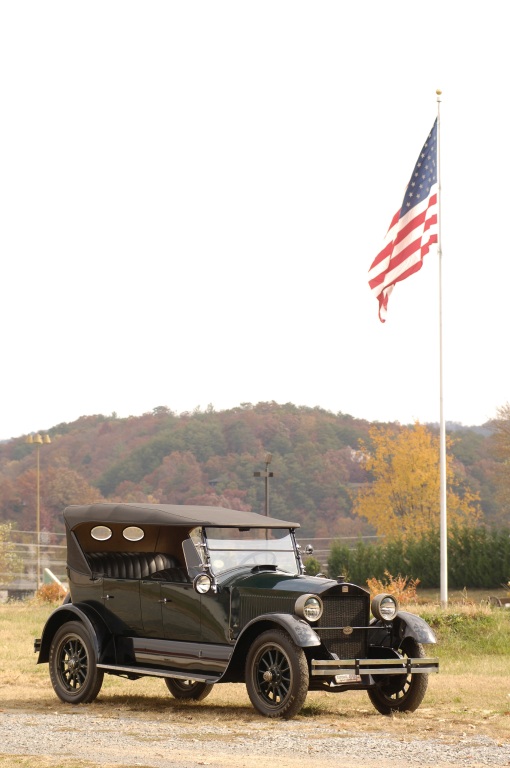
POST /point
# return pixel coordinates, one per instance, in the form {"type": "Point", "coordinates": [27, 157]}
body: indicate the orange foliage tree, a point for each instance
{"type": "Point", "coordinates": [404, 495]}
{"type": "Point", "coordinates": [59, 486]}
{"type": "Point", "coordinates": [178, 477]}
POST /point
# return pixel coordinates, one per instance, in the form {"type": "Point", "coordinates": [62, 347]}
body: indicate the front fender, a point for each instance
{"type": "Point", "coordinates": [300, 631]}
{"type": "Point", "coordinates": [410, 625]}
{"type": "Point", "coordinates": [406, 625]}
{"type": "Point", "coordinates": [70, 612]}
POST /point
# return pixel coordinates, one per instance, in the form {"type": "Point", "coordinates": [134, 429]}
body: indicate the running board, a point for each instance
{"type": "Point", "coordinates": [148, 672]}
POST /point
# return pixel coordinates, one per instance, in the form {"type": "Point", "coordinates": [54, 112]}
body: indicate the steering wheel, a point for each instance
{"type": "Point", "coordinates": [268, 558]}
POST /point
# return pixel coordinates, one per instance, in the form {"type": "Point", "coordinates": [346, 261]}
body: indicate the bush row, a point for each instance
{"type": "Point", "coordinates": [477, 558]}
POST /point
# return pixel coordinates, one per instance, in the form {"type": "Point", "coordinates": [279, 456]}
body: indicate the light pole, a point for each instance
{"type": "Point", "coordinates": [266, 475]}
{"type": "Point", "coordinates": [38, 440]}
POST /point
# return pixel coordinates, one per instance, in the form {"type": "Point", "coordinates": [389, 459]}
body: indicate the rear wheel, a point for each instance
{"type": "Point", "coordinates": [276, 675]}
{"type": "Point", "coordinates": [192, 690]}
{"type": "Point", "coordinates": [72, 661]}
{"type": "Point", "coordinates": [401, 693]}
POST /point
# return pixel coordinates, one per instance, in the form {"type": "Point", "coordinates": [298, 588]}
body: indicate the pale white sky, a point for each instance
{"type": "Point", "coordinates": [192, 193]}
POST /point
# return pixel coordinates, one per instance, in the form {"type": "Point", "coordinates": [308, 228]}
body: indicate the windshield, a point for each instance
{"type": "Point", "coordinates": [231, 547]}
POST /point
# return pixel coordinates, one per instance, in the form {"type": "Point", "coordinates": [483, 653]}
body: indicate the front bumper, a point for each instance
{"type": "Point", "coordinates": [348, 668]}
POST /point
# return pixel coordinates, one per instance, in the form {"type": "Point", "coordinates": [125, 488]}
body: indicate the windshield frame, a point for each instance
{"type": "Point", "coordinates": [290, 552]}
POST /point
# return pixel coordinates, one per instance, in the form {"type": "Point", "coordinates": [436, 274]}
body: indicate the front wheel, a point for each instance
{"type": "Point", "coordinates": [401, 693]}
{"type": "Point", "coordinates": [73, 669]}
{"type": "Point", "coordinates": [276, 675]}
{"type": "Point", "coordinates": [190, 690]}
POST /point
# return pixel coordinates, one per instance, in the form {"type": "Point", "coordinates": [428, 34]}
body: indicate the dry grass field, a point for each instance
{"type": "Point", "coordinates": [470, 695]}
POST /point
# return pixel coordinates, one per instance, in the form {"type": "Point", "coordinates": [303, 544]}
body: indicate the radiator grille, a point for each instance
{"type": "Point", "coordinates": [345, 611]}
{"type": "Point", "coordinates": [339, 611]}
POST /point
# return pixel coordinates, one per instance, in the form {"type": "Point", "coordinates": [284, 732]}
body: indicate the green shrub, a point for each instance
{"type": "Point", "coordinates": [478, 558]}
{"type": "Point", "coordinates": [312, 565]}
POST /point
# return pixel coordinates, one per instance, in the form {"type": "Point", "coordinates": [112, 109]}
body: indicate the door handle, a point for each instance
{"type": "Point", "coordinates": [107, 597]}
{"type": "Point", "coordinates": [165, 600]}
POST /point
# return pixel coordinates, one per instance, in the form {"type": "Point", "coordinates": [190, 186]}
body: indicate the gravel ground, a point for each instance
{"type": "Point", "coordinates": [129, 741]}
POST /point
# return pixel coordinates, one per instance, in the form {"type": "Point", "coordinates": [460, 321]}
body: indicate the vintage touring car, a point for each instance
{"type": "Point", "coordinates": [204, 595]}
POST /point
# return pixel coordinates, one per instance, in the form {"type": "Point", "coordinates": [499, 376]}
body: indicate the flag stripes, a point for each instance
{"type": "Point", "coordinates": [412, 231]}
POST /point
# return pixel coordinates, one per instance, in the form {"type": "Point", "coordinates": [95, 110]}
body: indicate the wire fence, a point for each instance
{"type": "Point", "coordinates": [23, 546]}
{"type": "Point", "coordinates": [53, 555]}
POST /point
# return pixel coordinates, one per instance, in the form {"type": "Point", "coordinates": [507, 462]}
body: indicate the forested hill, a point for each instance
{"type": "Point", "coordinates": [209, 457]}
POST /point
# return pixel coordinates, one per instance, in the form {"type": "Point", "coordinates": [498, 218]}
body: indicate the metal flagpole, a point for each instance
{"type": "Point", "coordinates": [443, 528]}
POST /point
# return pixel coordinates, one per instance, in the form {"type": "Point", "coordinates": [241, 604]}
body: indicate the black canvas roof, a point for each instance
{"type": "Point", "coordinates": [169, 514]}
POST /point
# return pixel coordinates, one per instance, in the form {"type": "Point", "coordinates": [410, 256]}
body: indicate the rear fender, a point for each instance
{"type": "Point", "coordinates": [69, 612]}
{"type": "Point", "coordinates": [300, 631]}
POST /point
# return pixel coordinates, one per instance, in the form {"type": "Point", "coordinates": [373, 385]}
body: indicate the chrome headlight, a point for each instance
{"type": "Point", "coordinates": [384, 607]}
{"type": "Point", "coordinates": [309, 607]}
{"type": "Point", "coordinates": [202, 583]}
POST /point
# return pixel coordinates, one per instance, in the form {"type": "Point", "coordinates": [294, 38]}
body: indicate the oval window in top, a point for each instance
{"type": "Point", "coordinates": [133, 533]}
{"type": "Point", "coordinates": [101, 533]}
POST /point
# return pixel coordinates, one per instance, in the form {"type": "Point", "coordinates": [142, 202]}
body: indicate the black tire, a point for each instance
{"type": "Point", "coordinates": [190, 690]}
{"type": "Point", "coordinates": [72, 660]}
{"type": "Point", "coordinates": [401, 693]}
{"type": "Point", "coordinates": [276, 675]}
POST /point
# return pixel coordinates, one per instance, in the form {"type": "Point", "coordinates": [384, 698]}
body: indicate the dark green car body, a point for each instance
{"type": "Point", "coordinates": [205, 595]}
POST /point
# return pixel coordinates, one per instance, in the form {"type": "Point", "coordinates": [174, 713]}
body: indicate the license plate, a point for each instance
{"type": "Point", "coordinates": [347, 678]}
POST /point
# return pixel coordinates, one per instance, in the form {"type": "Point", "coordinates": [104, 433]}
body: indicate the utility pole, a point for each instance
{"type": "Point", "coordinates": [266, 475]}
{"type": "Point", "coordinates": [38, 440]}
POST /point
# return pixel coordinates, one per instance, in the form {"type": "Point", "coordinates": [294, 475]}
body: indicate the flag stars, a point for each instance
{"type": "Point", "coordinates": [424, 175]}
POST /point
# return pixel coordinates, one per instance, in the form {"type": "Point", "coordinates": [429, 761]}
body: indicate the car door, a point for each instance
{"type": "Point", "coordinates": [121, 605]}
{"type": "Point", "coordinates": [150, 601]}
{"type": "Point", "coordinates": [170, 610]}
{"type": "Point", "coordinates": [180, 606]}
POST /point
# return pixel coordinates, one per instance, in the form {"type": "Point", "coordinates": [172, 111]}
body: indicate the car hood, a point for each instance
{"type": "Point", "coordinates": [275, 581]}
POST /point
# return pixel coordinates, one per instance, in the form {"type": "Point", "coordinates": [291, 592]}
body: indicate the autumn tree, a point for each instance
{"type": "Point", "coordinates": [164, 457]}
{"type": "Point", "coordinates": [500, 449]}
{"type": "Point", "coordinates": [229, 499]}
{"type": "Point", "coordinates": [59, 486]}
{"type": "Point", "coordinates": [177, 478]}
{"type": "Point", "coordinates": [404, 495]}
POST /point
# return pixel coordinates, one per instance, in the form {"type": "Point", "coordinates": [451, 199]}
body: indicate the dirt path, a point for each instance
{"type": "Point", "coordinates": [201, 739]}
{"type": "Point", "coordinates": [462, 723]}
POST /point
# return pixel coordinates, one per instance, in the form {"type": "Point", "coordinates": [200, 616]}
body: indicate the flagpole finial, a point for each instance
{"type": "Point", "coordinates": [439, 92]}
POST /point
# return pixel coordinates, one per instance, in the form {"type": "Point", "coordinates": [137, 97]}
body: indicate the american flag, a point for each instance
{"type": "Point", "coordinates": [412, 230]}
